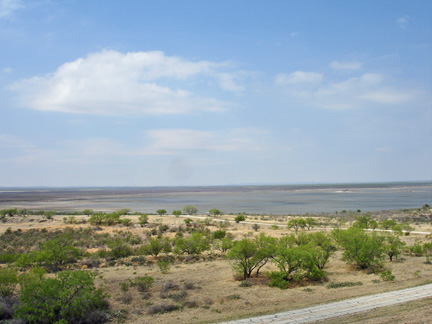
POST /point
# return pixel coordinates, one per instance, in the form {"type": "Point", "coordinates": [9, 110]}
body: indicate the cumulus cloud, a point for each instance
{"type": "Point", "coordinates": [114, 83]}
{"type": "Point", "coordinates": [356, 92]}
{"type": "Point", "coordinates": [345, 66]}
{"type": "Point", "coordinates": [7, 7]}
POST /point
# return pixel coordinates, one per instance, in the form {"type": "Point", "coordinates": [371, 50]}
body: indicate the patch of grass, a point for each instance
{"type": "Point", "coordinates": [233, 297]}
{"type": "Point", "coordinates": [162, 308]}
{"type": "Point", "coordinates": [333, 285]}
{"type": "Point", "coordinates": [245, 283]}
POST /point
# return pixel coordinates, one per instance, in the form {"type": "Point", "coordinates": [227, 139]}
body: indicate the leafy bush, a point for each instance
{"type": "Point", "coordinates": [119, 249]}
{"type": "Point", "coordinates": [361, 249]}
{"type": "Point", "coordinates": [240, 218]}
{"type": "Point", "coordinates": [219, 234]}
{"type": "Point", "coordinates": [143, 283]}
{"type": "Point", "coordinates": [387, 276]}
{"type": "Point", "coordinates": [68, 298]}
{"type": "Point", "coordinates": [164, 265]}
{"type": "Point", "coordinates": [143, 219]}
{"type": "Point", "coordinates": [155, 246]}
{"type": "Point", "coordinates": [190, 210]}
{"type": "Point", "coordinates": [416, 249]}
{"type": "Point", "coordinates": [195, 244]}
{"type": "Point", "coordinates": [8, 282]}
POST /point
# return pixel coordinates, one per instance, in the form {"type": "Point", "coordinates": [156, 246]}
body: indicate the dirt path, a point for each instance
{"type": "Point", "coordinates": [350, 306]}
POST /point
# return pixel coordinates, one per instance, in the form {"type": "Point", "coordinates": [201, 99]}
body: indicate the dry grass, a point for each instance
{"type": "Point", "coordinates": [216, 296]}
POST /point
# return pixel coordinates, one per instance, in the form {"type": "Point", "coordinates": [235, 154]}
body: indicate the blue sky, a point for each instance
{"type": "Point", "coordinates": [161, 93]}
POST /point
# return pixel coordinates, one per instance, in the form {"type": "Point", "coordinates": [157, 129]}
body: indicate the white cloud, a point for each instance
{"type": "Point", "coordinates": [403, 22]}
{"type": "Point", "coordinates": [298, 77]}
{"type": "Point", "coordinates": [355, 92]}
{"type": "Point", "coordinates": [7, 7]}
{"type": "Point", "coordinates": [9, 141]}
{"type": "Point", "coordinates": [345, 66]}
{"type": "Point", "coordinates": [113, 83]}
{"type": "Point", "coordinates": [385, 149]}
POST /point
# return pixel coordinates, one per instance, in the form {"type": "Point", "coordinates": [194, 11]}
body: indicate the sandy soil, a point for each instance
{"type": "Point", "coordinates": [217, 294]}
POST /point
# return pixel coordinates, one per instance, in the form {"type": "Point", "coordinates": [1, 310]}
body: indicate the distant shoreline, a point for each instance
{"type": "Point", "coordinates": [236, 187]}
{"type": "Point", "coordinates": [275, 199]}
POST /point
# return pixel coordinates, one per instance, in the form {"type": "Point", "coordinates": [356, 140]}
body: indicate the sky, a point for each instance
{"type": "Point", "coordinates": [184, 93]}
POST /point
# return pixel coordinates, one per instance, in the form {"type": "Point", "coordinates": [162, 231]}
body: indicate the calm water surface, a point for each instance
{"type": "Point", "coordinates": [231, 199]}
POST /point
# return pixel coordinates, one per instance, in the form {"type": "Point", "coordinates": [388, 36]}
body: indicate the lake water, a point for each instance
{"type": "Point", "coordinates": [279, 200]}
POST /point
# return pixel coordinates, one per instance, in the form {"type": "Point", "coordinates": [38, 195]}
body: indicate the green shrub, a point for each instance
{"type": "Point", "coordinates": [68, 298]}
{"type": "Point", "coordinates": [278, 279]}
{"type": "Point", "coordinates": [8, 282]}
{"type": "Point", "coordinates": [143, 283]}
{"type": "Point", "coordinates": [387, 276]}
{"type": "Point", "coordinates": [195, 244]}
{"type": "Point", "coordinates": [155, 246]}
{"type": "Point", "coordinates": [219, 234]}
{"type": "Point", "coordinates": [143, 219]}
{"type": "Point", "coordinates": [240, 218]}
{"type": "Point", "coordinates": [9, 257]}
{"type": "Point", "coordinates": [163, 265]}
{"type": "Point", "coordinates": [120, 249]}
{"type": "Point", "coordinates": [361, 249]}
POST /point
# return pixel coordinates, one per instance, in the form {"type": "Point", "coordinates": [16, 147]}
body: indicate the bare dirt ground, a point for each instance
{"type": "Point", "coordinates": [217, 296]}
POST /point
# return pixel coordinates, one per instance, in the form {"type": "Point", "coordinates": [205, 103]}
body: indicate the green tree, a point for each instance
{"type": "Point", "coordinates": [289, 260]}
{"type": "Point", "coordinates": [215, 212]}
{"type": "Point", "coordinates": [240, 218]}
{"type": "Point", "coordinates": [88, 212]}
{"type": "Point", "coordinates": [143, 219]}
{"type": "Point", "coordinates": [161, 212]}
{"type": "Point", "coordinates": [297, 223]}
{"type": "Point", "coordinates": [393, 246]}
{"type": "Point", "coordinates": [97, 218]}
{"type": "Point", "coordinates": [387, 224]}
{"type": "Point", "coordinates": [68, 298]}
{"type": "Point", "coordinates": [190, 210]}
{"type": "Point", "coordinates": [361, 249]}
{"type": "Point", "coordinates": [54, 255]}
{"type": "Point", "coordinates": [323, 248]}
{"type": "Point", "coordinates": [194, 244]}
{"type": "Point", "coordinates": [266, 247]}
{"type": "Point", "coordinates": [219, 234]}
{"type": "Point", "coordinates": [365, 222]}
{"type": "Point", "coordinates": [407, 228]}
{"type": "Point", "coordinates": [177, 213]}
{"type": "Point", "coordinates": [223, 244]}
{"type": "Point", "coordinates": [243, 257]}
{"type": "Point", "coordinates": [310, 222]}
{"type": "Point", "coordinates": [119, 249]}
{"type": "Point", "coordinates": [155, 246]}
